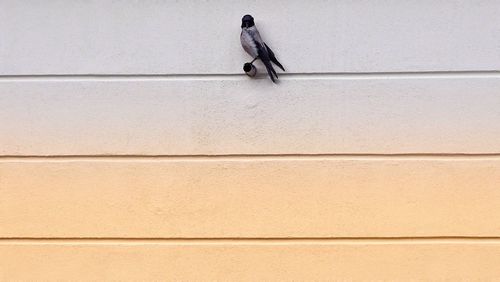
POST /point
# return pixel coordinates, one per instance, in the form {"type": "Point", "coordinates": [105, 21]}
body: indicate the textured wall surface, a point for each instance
{"type": "Point", "coordinates": [132, 147]}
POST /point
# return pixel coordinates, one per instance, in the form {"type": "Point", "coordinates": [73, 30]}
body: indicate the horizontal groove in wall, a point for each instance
{"type": "Point", "coordinates": [251, 241]}
{"type": "Point", "coordinates": [286, 76]}
{"type": "Point", "coordinates": [247, 157]}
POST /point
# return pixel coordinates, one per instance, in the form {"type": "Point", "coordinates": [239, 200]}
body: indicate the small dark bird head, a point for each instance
{"type": "Point", "coordinates": [247, 21]}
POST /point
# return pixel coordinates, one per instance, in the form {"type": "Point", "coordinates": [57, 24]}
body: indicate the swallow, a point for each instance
{"type": "Point", "coordinates": [252, 43]}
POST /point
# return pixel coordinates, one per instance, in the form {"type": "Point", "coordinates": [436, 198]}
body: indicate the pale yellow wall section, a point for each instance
{"type": "Point", "coordinates": [251, 261]}
{"type": "Point", "coordinates": [250, 197]}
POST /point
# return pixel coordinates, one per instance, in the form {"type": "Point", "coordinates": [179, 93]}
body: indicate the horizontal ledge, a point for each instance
{"type": "Point", "coordinates": [245, 157]}
{"type": "Point", "coordinates": [242, 76]}
{"type": "Point", "coordinates": [251, 241]}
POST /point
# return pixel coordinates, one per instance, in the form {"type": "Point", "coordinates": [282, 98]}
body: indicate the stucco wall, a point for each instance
{"type": "Point", "coordinates": [132, 147]}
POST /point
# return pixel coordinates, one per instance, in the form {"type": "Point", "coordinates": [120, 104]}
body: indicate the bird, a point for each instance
{"type": "Point", "coordinates": [252, 43]}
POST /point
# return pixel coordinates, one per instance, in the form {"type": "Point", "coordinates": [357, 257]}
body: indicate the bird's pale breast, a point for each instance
{"type": "Point", "coordinates": [248, 43]}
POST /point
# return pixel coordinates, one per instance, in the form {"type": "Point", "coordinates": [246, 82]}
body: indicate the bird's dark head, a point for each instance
{"type": "Point", "coordinates": [247, 21]}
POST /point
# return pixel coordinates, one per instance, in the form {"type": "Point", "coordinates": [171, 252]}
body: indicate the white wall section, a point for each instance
{"type": "Point", "coordinates": [240, 116]}
{"type": "Point", "coordinates": [202, 37]}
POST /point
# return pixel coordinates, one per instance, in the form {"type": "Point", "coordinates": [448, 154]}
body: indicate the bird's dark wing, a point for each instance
{"type": "Point", "coordinates": [264, 57]}
{"type": "Point", "coordinates": [273, 58]}
{"type": "Point", "coordinates": [263, 53]}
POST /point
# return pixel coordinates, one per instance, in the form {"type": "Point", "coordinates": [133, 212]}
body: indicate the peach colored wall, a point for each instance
{"type": "Point", "coordinates": [132, 147]}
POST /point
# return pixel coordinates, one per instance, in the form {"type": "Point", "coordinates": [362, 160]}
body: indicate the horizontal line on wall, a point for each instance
{"type": "Point", "coordinates": [252, 241]}
{"type": "Point", "coordinates": [243, 157]}
{"type": "Point", "coordinates": [286, 76]}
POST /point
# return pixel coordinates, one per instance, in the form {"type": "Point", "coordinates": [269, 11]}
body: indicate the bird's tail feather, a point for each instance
{"type": "Point", "coordinates": [264, 57]}
{"type": "Point", "coordinates": [278, 64]}
{"type": "Point", "coordinates": [273, 57]}
{"type": "Point", "coordinates": [270, 70]}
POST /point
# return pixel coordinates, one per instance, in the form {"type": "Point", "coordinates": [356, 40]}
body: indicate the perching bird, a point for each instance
{"type": "Point", "coordinates": [253, 45]}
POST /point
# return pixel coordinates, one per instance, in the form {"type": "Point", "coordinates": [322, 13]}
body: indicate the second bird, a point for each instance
{"type": "Point", "coordinates": [253, 45]}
